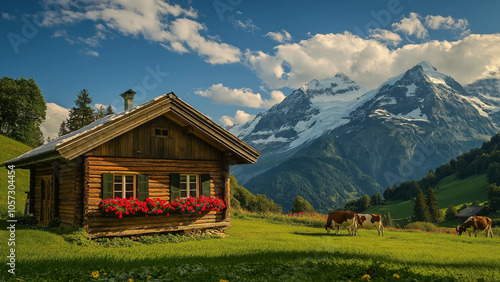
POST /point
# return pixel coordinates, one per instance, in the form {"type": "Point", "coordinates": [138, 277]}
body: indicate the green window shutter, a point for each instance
{"type": "Point", "coordinates": [205, 185]}
{"type": "Point", "coordinates": [107, 186]}
{"type": "Point", "coordinates": [175, 184]}
{"type": "Point", "coordinates": [142, 187]}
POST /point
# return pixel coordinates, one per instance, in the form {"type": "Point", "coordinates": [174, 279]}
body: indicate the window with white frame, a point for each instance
{"type": "Point", "coordinates": [188, 185]}
{"type": "Point", "coordinates": [124, 186]}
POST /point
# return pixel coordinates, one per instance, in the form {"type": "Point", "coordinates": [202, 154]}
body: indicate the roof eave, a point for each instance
{"type": "Point", "coordinates": [25, 163]}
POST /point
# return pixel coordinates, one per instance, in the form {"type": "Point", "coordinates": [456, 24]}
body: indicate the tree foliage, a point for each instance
{"type": "Point", "coordinates": [478, 160]}
{"type": "Point", "coordinates": [82, 113]}
{"type": "Point", "coordinates": [302, 205]}
{"type": "Point", "coordinates": [433, 206]}
{"type": "Point", "coordinates": [420, 210]}
{"type": "Point", "coordinates": [375, 200]}
{"type": "Point", "coordinates": [450, 213]}
{"type": "Point", "coordinates": [22, 110]}
{"type": "Point", "coordinates": [387, 220]}
{"type": "Point", "coordinates": [244, 199]}
{"type": "Point", "coordinates": [494, 197]}
{"type": "Point", "coordinates": [493, 173]}
{"type": "Point", "coordinates": [358, 205]}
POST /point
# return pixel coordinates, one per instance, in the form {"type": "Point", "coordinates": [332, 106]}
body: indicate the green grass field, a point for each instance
{"type": "Point", "coordinates": [257, 250]}
{"type": "Point", "coordinates": [10, 149]}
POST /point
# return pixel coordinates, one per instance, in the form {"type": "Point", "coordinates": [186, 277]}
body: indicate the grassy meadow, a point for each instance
{"type": "Point", "coordinates": [259, 248]}
{"type": "Point", "coordinates": [449, 191]}
{"type": "Point", "coordinates": [10, 149]}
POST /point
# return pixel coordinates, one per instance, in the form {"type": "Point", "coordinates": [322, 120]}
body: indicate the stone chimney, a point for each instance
{"type": "Point", "coordinates": [128, 98]}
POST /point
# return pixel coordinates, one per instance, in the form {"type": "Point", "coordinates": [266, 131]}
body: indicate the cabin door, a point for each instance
{"type": "Point", "coordinates": [47, 199]}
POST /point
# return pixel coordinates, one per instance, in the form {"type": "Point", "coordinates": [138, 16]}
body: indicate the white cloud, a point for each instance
{"type": "Point", "coordinates": [440, 22]}
{"type": "Point", "coordinates": [386, 36]}
{"type": "Point", "coordinates": [8, 17]}
{"type": "Point", "coordinates": [243, 97]}
{"type": "Point", "coordinates": [60, 33]}
{"type": "Point", "coordinates": [371, 62]}
{"type": "Point", "coordinates": [185, 32]}
{"type": "Point", "coordinates": [105, 107]}
{"type": "Point", "coordinates": [247, 25]}
{"type": "Point", "coordinates": [54, 116]}
{"type": "Point", "coordinates": [156, 20]}
{"type": "Point", "coordinates": [89, 52]}
{"type": "Point", "coordinates": [321, 56]}
{"type": "Point", "coordinates": [280, 37]}
{"type": "Point", "coordinates": [239, 118]}
{"type": "Point", "coordinates": [412, 26]}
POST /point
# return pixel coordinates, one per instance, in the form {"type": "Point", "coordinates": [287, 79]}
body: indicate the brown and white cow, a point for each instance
{"type": "Point", "coordinates": [342, 218]}
{"type": "Point", "coordinates": [481, 223]}
{"type": "Point", "coordinates": [370, 221]}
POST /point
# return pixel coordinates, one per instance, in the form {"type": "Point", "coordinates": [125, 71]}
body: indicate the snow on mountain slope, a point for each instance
{"type": "Point", "coordinates": [484, 94]}
{"type": "Point", "coordinates": [305, 114]}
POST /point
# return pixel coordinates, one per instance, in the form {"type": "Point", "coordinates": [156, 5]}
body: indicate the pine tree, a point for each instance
{"type": "Point", "coordinates": [433, 206]}
{"type": "Point", "coordinates": [80, 115]}
{"type": "Point", "coordinates": [420, 211]}
{"type": "Point", "coordinates": [99, 113]}
{"type": "Point", "coordinates": [63, 129]}
{"type": "Point", "coordinates": [109, 111]}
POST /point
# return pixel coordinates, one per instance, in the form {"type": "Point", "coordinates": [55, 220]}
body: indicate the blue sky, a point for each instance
{"type": "Point", "coordinates": [232, 59]}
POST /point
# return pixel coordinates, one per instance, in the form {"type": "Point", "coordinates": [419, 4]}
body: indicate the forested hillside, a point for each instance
{"type": "Point", "coordinates": [485, 159]}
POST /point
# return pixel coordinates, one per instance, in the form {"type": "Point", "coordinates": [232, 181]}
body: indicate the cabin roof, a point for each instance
{"type": "Point", "coordinates": [78, 142]}
{"type": "Point", "coordinates": [470, 211]}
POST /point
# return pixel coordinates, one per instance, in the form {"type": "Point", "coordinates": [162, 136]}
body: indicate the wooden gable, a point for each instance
{"type": "Point", "coordinates": [121, 135]}
{"type": "Point", "coordinates": [159, 138]}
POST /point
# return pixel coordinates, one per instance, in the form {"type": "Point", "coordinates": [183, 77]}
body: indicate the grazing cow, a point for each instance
{"type": "Point", "coordinates": [481, 223]}
{"type": "Point", "coordinates": [369, 221]}
{"type": "Point", "coordinates": [342, 218]}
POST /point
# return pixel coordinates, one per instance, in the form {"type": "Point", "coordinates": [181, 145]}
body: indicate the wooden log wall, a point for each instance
{"type": "Point", "coordinates": [158, 170]}
{"type": "Point", "coordinates": [69, 184]}
{"type": "Point", "coordinates": [67, 198]}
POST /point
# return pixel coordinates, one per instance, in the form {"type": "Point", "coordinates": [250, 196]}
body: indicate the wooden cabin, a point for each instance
{"type": "Point", "coordinates": [162, 149]}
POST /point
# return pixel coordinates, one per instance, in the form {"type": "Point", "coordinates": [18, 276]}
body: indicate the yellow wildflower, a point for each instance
{"type": "Point", "coordinates": [366, 277]}
{"type": "Point", "coordinates": [223, 280]}
{"type": "Point", "coordinates": [95, 274]}
{"type": "Point", "coordinates": [395, 275]}
{"type": "Point", "coordinates": [149, 277]}
{"type": "Point", "coordinates": [130, 280]}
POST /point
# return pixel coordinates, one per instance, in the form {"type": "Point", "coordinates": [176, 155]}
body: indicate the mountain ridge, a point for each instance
{"type": "Point", "coordinates": [410, 123]}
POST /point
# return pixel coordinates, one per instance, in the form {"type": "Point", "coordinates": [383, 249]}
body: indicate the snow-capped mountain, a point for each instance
{"type": "Point", "coordinates": [485, 95]}
{"type": "Point", "coordinates": [412, 123]}
{"type": "Point", "coordinates": [415, 122]}
{"type": "Point", "coordinates": [304, 115]}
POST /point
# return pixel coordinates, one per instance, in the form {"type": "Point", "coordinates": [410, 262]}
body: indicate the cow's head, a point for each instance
{"type": "Point", "coordinates": [460, 229]}
{"type": "Point", "coordinates": [328, 228]}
